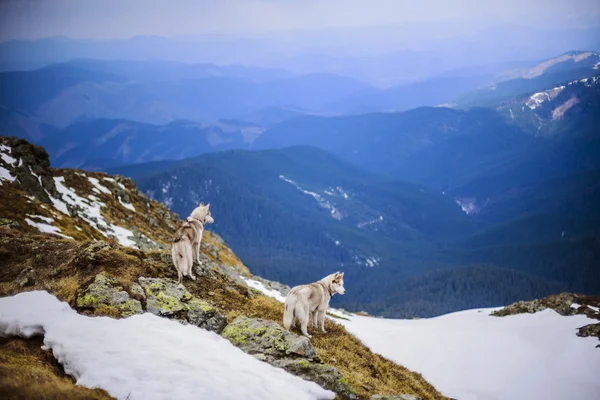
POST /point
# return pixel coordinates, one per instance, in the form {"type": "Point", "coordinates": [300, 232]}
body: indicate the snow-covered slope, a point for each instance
{"type": "Point", "coordinates": [148, 357]}
{"type": "Point", "coordinates": [471, 355]}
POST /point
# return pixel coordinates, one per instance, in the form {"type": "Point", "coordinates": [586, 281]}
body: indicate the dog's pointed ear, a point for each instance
{"type": "Point", "coordinates": [342, 274]}
{"type": "Point", "coordinates": [201, 204]}
{"type": "Point", "coordinates": [208, 205]}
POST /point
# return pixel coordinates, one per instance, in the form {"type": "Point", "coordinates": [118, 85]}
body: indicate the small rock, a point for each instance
{"type": "Point", "coordinates": [25, 278]}
{"type": "Point", "coordinates": [203, 315]}
{"type": "Point", "coordinates": [138, 291]}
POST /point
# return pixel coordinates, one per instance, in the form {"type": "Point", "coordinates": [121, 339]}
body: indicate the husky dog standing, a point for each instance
{"type": "Point", "coordinates": [185, 248]}
{"type": "Point", "coordinates": [313, 299]}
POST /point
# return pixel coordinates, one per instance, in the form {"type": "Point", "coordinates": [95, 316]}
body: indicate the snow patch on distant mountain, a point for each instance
{"type": "Point", "coordinates": [363, 224]}
{"type": "Point", "coordinates": [367, 261]}
{"type": "Point", "coordinates": [538, 98]}
{"type": "Point", "coordinates": [333, 211]}
{"type": "Point", "coordinates": [467, 204]}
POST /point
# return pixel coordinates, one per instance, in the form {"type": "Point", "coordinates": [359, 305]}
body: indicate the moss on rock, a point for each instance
{"type": "Point", "coordinates": [269, 342]}
{"type": "Point", "coordinates": [105, 292]}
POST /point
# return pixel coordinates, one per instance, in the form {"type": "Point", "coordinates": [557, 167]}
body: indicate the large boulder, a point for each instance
{"type": "Point", "coordinates": [163, 297]}
{"type": "Point", "coordinates": [167, 298]}
{"type": "Point", "coordinates": [268, 341]}
{"type": "Point", "coordinates": [105, 292]}
{"type": "Point", "coordinates": [259, 336]}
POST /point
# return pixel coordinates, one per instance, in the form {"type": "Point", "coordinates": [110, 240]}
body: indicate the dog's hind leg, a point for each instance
{"type": "Point", "coordinates": [177, 260]}
{"type": "Point", "coordinates": [322, 320]}
{"type": "Point", "coordinates": [302, 314]}
{"type": "Point", "coordinates": [190, 262]}
{"type": "Point", "coordinates": [315, 319]}
{"type": "Point", "coordinates": [197, 248]}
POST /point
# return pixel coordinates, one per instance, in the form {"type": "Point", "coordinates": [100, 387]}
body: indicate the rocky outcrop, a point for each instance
{"type": "Point", "coordinates": [32, 168]}
{"type": "Point", "coordinates": [564, 304]}
{"type": "Point", "coordinates": [166, 298]}
{"type": "Point", "coordinates": [268, 341]}
{"type": "Point", "coordinates": [590, 330]}
{"type": "Point", "coordinates": [280, 287]}
{"type": "Point", "coordinates": [105, 292]}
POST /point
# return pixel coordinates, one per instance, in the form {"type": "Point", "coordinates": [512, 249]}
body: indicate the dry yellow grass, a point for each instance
{"type": "Point", "coordinates": [28, 372]}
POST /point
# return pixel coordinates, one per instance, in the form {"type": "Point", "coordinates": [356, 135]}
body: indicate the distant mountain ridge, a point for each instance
{"type": "Point", "coordinates": [103, 143]}
{"type": "Point", "coordinates": [159, 93]}
{"type": "Point", "coordinates": [552, 72]}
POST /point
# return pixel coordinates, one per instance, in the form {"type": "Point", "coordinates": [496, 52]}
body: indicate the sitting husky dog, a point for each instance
{"type": "Point", "coordinates": [185, 248]}
{"type": "Point", "coordinates": [312, 298]}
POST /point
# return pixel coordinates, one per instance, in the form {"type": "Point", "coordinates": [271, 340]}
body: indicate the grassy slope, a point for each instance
{"type": "Point", "coordinates": [28, 372]}
{"type": "Point", "coordinates": [63, 267]}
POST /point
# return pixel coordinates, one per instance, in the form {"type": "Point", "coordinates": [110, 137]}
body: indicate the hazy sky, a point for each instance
{"type": "Point", "coordinates": [126, 18]}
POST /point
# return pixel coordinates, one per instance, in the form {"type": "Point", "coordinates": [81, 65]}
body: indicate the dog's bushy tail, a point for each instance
{"type": "Point", "coordinates": [288, 312]}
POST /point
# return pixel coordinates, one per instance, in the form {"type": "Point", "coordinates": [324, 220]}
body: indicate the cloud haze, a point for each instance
{"type": "Point", "coordinates": [26, 19]}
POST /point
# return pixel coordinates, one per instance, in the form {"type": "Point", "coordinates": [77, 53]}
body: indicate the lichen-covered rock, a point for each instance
{"type": "Point", "coordinates": [166, 298]}
{"type": "Point", "coordinates": [203, 315]}
{"type": "Point", "coordinates": [268, 341]}
{"type": "Point", "coordinates": [137, 290]}
{"type": "Point", "coordinates": [395, 397]}
{"type": "Point", "coordinates": [325, 375]}
{"type": "Point", "coordinates": [267, 337]}
{"type": "Point", "coordinates": [105, 291]}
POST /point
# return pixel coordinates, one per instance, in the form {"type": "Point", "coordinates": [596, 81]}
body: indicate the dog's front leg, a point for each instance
{"type": "Point", "coordinates": [322, 320]}
{"type": "Point", "coordinates": [198, 252]}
